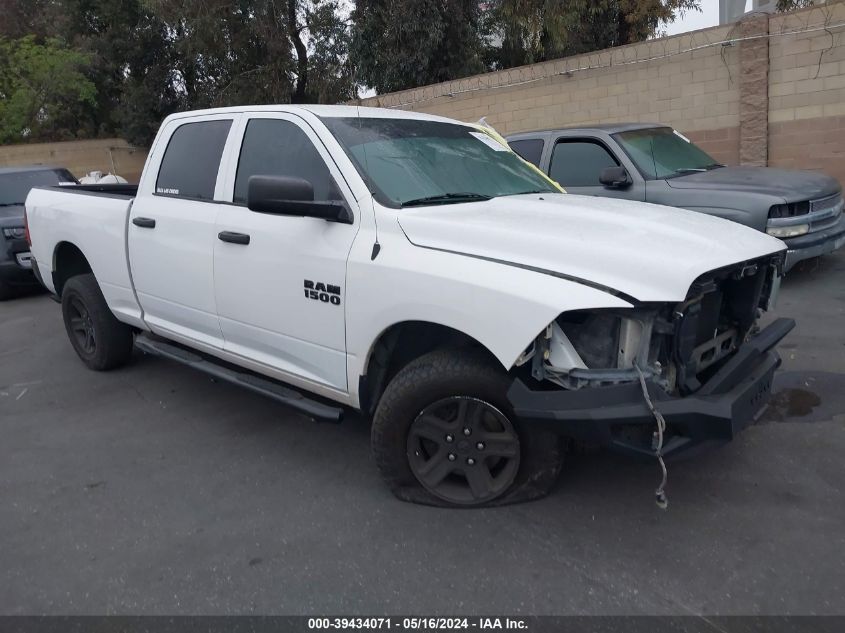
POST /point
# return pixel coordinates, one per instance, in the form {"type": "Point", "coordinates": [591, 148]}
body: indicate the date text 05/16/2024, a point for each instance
{"type": "Point", "coordinates": [419, 623]}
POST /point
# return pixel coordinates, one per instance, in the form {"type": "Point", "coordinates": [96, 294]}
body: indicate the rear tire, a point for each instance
{"type": "Point", "coordinates": [99, 339]}
{"type": "Point", "coordinates": [444, 434]}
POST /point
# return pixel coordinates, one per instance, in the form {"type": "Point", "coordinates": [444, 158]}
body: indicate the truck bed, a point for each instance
{"type": "Point", "coordinates": [94, 220]}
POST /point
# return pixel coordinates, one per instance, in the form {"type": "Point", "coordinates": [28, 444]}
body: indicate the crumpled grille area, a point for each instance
{"type": "Point", "coordinates": [720, 311]}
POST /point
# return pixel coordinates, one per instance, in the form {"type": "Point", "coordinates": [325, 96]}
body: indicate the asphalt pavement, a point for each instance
{"type": "Point", "coordinates": [154, 490]}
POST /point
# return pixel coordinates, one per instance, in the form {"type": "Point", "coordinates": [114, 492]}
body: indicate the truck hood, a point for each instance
{"type": "Point", "coordinates": [791, 185]}
{"type": "Point", "coordinates": [646, 251]}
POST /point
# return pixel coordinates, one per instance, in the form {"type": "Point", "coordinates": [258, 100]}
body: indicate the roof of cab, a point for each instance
{"type": "Point", "coordinates": [608, 128]}
{"type": "Point", "coordinates": [322, 111]}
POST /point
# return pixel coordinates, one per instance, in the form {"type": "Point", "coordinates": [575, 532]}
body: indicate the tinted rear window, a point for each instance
{"type": "Point", "coordinates": [15, 186]}
{"type": "Point", "coordinates": [530, 149]}
{"type": "Point", "coordinates": [192, 159]}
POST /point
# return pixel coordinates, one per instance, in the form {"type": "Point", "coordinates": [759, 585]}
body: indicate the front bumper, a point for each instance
{"type": "Point", "coordinates": [16, 264]}
{"type": "Point", "coordinates": [616, 417]}
{"type": "Point", "coordinates": [814, 244]}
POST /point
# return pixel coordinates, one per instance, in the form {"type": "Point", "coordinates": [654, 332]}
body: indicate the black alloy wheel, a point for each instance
{"type": "Point", "coordinates": [463, 450]}
{"type": "Point", "coordinates": [81, 326]}
{"type": "Point", "coordinates": [98, 338]}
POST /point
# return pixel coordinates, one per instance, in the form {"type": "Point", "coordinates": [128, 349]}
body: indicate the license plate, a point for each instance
{"type": "Point", "coordinates": [24, 260]}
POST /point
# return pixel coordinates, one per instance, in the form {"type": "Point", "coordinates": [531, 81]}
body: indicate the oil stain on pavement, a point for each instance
{"type": "Point", "coordinates": [802, 396]}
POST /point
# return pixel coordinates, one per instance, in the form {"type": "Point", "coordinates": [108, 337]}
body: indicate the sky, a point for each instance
{"type": "Point", "coordinates": [694, 20]}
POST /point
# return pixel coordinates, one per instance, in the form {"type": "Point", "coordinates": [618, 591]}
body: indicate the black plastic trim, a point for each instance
{"type": "Point", "coordinates": [233, 238]}
{"type": "Point", "coordinates": [264, 386]}
{"type": "Point", "coordinates": [726, 404]}
{"type": "Point", "coordinates": [144, 223]}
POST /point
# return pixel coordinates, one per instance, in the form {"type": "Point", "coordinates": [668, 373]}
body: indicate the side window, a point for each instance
{"type": "Point", "coordinates": [273, 147]}
{"type": "Point", "coordinates": [192, 159]}
{"type": "Point", "coordinates": [531, 149]}
{"type": "Point", "coordinates": [579, 163]}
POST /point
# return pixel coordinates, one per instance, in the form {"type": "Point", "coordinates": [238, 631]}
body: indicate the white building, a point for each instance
{"type": "Point", "coordinates": [732, 10]}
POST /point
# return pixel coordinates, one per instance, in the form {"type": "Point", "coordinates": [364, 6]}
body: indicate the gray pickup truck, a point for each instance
{"type": "Point", "coordinates": [16, 275]}
{"type": "Point", "coordinates": [654, 163]}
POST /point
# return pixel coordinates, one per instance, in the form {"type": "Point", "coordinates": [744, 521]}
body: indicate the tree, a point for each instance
{"type": "Point", "coordinates": [536, 30]}
{"type": "Point", "coordinates": [258, 51]}
{"type": "Point", "coordinates": [131, 66]}
{"type": "Point", "coordinates": [320, 37]}
{"type": "Point", "coordinates": [41, 87]}
{"type": "Point", "coordinates": [219, 52]}
{"type": "Point", "coordinates": [148, 58]}
{"type": "Point", "coordinates": [791, 5]}
{"type": "Point", "coordinates": [42, 18]}
{"type": "Point", "coordinates": [398, 44]}
{"type": "Point", "coordinates": [331, 72]}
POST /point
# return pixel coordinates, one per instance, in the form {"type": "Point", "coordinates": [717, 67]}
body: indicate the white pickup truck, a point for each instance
{"type": "Point", "coordinates": [413, 268]}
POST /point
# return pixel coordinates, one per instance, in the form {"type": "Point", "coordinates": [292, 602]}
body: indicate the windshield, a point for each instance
{"type": "Point", "coordinates": [409, 162]}
{"type": "Point", "coordinates": [15, 186]}
{"type": "Point", "coordinates": [661, 153]}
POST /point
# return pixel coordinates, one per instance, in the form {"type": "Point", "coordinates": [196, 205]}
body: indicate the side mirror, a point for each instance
{"type": "Point", "coordinates": [615, 177]}
{"type": "Point", "coordinates": [285, 195]}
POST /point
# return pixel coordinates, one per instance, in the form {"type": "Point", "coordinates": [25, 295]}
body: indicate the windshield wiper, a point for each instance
{"type": "Point", "coordinates": [522, 193]}
{"type": "Point", "coordinates": [11, 204]}
{"type": "Point", "coordinates": [446, 198]}
{"type": "Point", "coordinates": [694, 170]}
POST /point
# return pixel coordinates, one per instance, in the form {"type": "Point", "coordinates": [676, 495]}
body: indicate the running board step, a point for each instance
{"type": "Point", "coordinates": [276, 391]}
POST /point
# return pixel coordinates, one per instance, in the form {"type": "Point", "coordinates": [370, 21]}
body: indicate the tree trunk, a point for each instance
{"type": "Point", "coordinates": [299, 94]}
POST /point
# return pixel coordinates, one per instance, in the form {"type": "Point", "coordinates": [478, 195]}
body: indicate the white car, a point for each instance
{"type": "Point", "coordinates": [413, 268]}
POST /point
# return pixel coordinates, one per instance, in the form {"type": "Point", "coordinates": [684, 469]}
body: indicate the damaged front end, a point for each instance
{"type": "Point", "coordinates": [703, 361]}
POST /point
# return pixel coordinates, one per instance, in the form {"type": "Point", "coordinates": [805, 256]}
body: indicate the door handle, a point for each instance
{"type": "Point", "coordinates": [144, 223]}
{"type": "Point", "coordinates": [233, 238]}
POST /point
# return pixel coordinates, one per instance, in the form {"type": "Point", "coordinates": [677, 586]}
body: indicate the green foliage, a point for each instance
{"type": "Point", "coordinates": [398, 44]}
{"type": "Point", "coordinates": [332, 75]}
{"type": "Point", "coordinates": [148, 58]}
{"type": "Point", "coordinates": [85, 68]}
{"type": "Point", "coordinates": [131, 65]}
{"type": "Point", "coordinates": [258, 51]}
{"type": "Point", "coordinates": [41, 86]}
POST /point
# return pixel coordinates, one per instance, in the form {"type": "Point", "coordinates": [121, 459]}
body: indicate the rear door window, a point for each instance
{"type": "Point", "coordinates": [192, 159]}
{"type": "Point", "coordinates": [531, 149]}
{"type": "Point", "coordinates": [579, 163]}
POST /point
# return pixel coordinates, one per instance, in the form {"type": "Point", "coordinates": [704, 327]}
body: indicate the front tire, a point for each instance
{"type": "Point", "coordinates": [444, 434]}
{"type": "Point", "coordinates": [99, 339]}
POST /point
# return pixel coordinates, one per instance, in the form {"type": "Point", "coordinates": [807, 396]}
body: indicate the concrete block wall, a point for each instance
{"type": "Point", "coordinates": [688, 81]}
{"type": "Point", "coordinates": [80, 157]}
{"type": "Point", "coordinates": [769, 90]}
{"type": "Point", "coordinates": [807, 90]}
